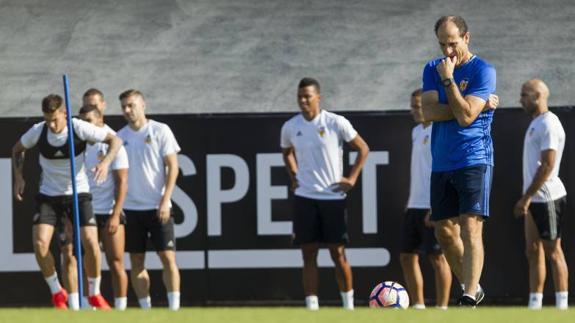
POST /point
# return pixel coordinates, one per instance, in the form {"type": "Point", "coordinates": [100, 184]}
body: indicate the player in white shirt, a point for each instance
{"type": "Point", "coordinates": [418, 233]}
{"type": "Point", "coordinates": [152, 150]}
{"type": "Point", "coordinates": [312, 146]}
{"type": "Point", "coordinates": [543, 203]}
{"type": "Point", "coordinates": [55, 196]}
{"type": "Point", "coordinates": [107, 201]}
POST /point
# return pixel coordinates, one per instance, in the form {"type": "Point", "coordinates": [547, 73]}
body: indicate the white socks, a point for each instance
{"type": "Point", "coordinates": [418, 306]}
{"type": "Point", "coordinates": [53, 283]}
{"type": "Point", "coordinates": [535, 301]}
{"type": "Point", "coordinates": [145, 303]}
{"type": "Point", "coordinates": [74, 301]}
{"type": "Point", "coordinates": [120, 303]}
{"type": "Point", "coordinates": [561, 300]}
{"type": "Point", "coordinates": [174, 301]}
{"type": "Point", "coordinates": [347, 299]}
{"type": "Point", "coordinates": [94, 285]}
{"type": "Point", "coordinates": [312, 303]}
{"type": "Point", "coordinates": [476, 291]}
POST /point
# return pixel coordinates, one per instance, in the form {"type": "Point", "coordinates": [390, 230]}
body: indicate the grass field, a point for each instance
{"type": "Point", "coordinates": [291, 315]}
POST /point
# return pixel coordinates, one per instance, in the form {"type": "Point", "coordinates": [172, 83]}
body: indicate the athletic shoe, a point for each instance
{"type": "Point", "coordinates": [479, 295]}
{"type": "Point", "coordinates": [60, 299]}
{"type": "Point", "coordinates": [466, 301]}
{"type": "Point", "coordinates": [99, 302]}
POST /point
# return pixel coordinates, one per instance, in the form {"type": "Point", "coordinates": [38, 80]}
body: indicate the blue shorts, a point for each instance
{"type": "Point", "coordinates": [461, 191]}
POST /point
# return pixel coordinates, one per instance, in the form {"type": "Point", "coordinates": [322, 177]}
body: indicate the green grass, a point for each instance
{"type": "Point", "coordinates": [291, 315]}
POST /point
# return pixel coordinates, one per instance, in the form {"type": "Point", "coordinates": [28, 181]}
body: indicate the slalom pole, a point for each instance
{"type": "Point", "coordinates": [76, 222]}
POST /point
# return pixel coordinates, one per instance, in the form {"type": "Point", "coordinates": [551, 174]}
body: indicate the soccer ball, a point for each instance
{"type": "Point", "coordinates": [389, 294]}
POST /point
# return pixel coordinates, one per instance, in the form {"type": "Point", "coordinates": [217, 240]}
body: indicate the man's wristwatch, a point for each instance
{"type": "Point", "coordinates": [447, 82]}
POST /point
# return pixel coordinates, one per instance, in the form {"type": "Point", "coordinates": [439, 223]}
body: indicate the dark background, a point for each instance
{"type": "Point", "coordinates": [505, 272]}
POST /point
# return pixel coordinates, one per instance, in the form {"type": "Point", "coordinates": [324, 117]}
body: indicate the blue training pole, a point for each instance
{"type": "Point", "coordinates": [76, 222]}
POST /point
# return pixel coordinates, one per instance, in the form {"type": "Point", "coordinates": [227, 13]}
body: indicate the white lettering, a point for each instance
{"type": "Point", "coordinates": [185, 203]}
{"type": "Point", "coordinates": [266, 193]}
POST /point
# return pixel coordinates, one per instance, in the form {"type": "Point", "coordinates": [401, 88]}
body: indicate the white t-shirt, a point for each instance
{"type": "Point", "coordinates": [55, 179]}
{"type": "Point", "coordinates": [318, 146]}
{"type": "Point", "coordinates": [146, 150]}
{"type": "Point", "coordinates": [545, 132]}
{"type": "Point", "coordinates": [103, 194]}
{"type": "Point", "coordinates": [420, 177]}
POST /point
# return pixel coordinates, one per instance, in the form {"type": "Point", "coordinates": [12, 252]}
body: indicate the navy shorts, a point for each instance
{"type": "Point", "coordinates": [416, 236]}
{"type": "Point", "coordinates": [319, 221]}
{"type": "Point", "coordinates": [548, 217]}
{"type": "Point", "coordinates": [461, 191]}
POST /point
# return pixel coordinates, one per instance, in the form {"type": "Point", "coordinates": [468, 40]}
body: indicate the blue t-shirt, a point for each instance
{"type": "Point", "coordinates": [452, 146]}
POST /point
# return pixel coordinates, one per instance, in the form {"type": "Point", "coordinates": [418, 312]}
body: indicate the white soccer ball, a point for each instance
{"type": "Point", "coordinates": [389, 295]}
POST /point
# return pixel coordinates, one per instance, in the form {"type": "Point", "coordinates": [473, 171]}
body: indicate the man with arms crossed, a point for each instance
{"type": "Point", "coordinates": [152, 151]}
{"type": "Point", "coordinates": [456, 97]}
{"type": "Point", "coordinates": [54, 200]}
{"type": "Point", "coordinates": [312, 143]}
{"type": "Point", "coordinates": [544, 201]}
{"type": "Point", "coordinates": [417, 229]}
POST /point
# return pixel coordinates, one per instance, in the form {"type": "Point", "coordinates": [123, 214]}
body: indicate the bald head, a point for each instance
{"type": "Point", "coordinates": [534, 96]}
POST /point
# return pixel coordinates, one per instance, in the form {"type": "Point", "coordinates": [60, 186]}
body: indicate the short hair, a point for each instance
{"type": "Point", "coordinates": [128, 93]}
{"type": "Point", "coordinates": [90, 108]}
{"type": "Point", "coordinates": [51, 103]}
{"type": "Point", "coordinates": [417, 92]}
{"type": "Point", "coordinates": [92, 92]}
{"type": "Point", "coordinates": [457, 20]}
{"type": "Point", "coordinates": [308, 81]}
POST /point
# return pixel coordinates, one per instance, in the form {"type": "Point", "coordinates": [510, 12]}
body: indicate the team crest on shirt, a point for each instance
{"type": "Point", "coordinates": [463, 85]}
{"type": "Point", "coordinates": [101, 154]}
{"type": "Point", "coordinates": [531, 131]}
{"type": "Point", "coordinates": [148, 139]}
{"type": "Point", "coordinates": [321, 131]}
{"type": "Point", "coordinates": [426, 139]}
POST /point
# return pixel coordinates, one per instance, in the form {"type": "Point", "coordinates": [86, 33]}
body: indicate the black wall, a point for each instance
{"type": "Point", "coordinates": [245, 135]}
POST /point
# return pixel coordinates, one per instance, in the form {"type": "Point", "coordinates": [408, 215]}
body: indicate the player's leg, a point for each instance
{"type": "Point", "coordinates": [114, 245]}
{"type": "Point", "coordinates": [42, 231]}
{"type": "Point", "coordinates": [413, 278]}
{"type": "Point", "coordinates": [536, 260]}
{"type": "Point", "coordinates": [442, 272]}
{"type": "Point", "coordinates": [164, 241]}
{"type": "Point", "coordinates": [473, 256]}
{"type": "Point", "coordinates": [448, 235]}
{"type": "Point", "coordinates": [411, 240]}
{"type": "Point", "coordinates": [136, 238]}
{"type": "Point", "coordinates": [69, 263]}
{"type": "Point", "coordinates": [333, 219]}
{"type": "Point", "coordinates": [306, 229]}
{"type": "Point", "coordinates": [554, 252]}
{"type": "Point", "coordinates": [92, 255]}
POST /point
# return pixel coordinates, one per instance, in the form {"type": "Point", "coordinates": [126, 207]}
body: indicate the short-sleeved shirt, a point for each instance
{"type": "Point", "coordinates": [103, 194]}
{"type": "Point", "coordinates": [318, 146]}
{"type": "Point", "coordinates": [545, 132]}
{"type": "Point", "coordinates": [452, 146]}
{"type": "Point", "coordinates": [55, 179]}
{"type": "Point", "coordinates": [146, 149]}
{"type": "Point", "coordinates": [419, 184]}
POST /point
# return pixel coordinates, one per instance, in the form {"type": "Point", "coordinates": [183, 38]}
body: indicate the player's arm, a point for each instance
{"type": "Point", "coordinates": [18, 155]}
{"type": "Point", "coordinates": [121, 189]}
{"type": "Point", "coordinates": [432, 109]}
{"type": "Point", "coordinates": [114, 144]}
{"type": "Point", "coordinates": [172, 170]}
{"type": "Point", "coordinates": [290, 163]}
{"type": "Point", "coordinates": [359, 145]}
{"type": "Point", "coordinates": [543, 171]}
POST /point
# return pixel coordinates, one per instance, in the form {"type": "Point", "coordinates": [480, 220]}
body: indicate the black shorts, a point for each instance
{"type": "Point", "coordinates": [462, 191]}
{"type": "Point", "coordinates": [53, 209]}
{"type": "Point", "coordinates": [102, 219]}
{"type": "Point", "coordinates": [416, 236]}
{"type": "Point", "coordinates": [322, 221]}
{"type": "Point", "coordinates": [548, 217]}
{"type": "Point", "coordinates": [143, 224]}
